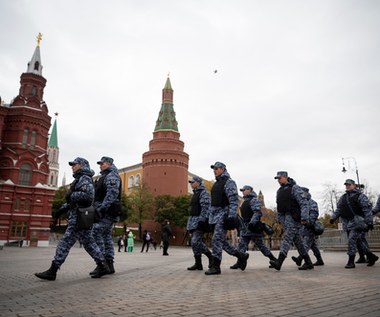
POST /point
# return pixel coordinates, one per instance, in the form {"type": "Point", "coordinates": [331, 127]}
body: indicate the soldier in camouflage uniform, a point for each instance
{"type": "Point", "coordinates": [198, 222]}
{"type": "Point", "coordinates": [376, 209]}
{"type": "Point", "coordinates": [293, 211]}
{"type": "Point", "coordinates": [251, 227]}
{"type": "Point", "coordinates": [354, 202]}
{"type": "Point", "coordinates": [223, 217]}
{"type": "Point", "coordinates": [81, 194]}
{"type": "Point", "coordinates": [108, 205]}
{"type": "Point", "coordinates": [307, 232]}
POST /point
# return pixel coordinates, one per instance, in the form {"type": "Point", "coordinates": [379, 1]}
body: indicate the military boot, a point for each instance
{"type": "Point", "coordinates": [215, 269]}
{"type": "Point", "coordinates": [198, 264]}
{"type": "Point", "coordinates": [273, 258]}
{"type": "Point", "coordinates": [236, 265]}
{"type": "Point", "coordinates": [209, 256]}
{"type": "Point", "coordinates": [372, 258]}
{"type": "Point", "coordinates": [101, 269]}
{"type": "Point", "coordinates": [278, 262]}
{"type": "Point", "coordinates": [297, 260]}
{"type": "Point", "coordinates": [307, 265]}
{"type": "Point", "coordinates": [50, 274]}
{"type": "Point", "coordinates": [110, 266]}
{"type": "Point", "coordinates": [362, 258]}
{"type": "Point", "coordinates": [351, 262]}
{"type": "Point", "coordinates": [243, 257]}
{"type": "Point", "coordinates": [319, 261]}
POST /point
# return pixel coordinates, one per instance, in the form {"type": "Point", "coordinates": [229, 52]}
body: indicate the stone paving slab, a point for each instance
{"type": "Point", "coordinates": [149, 284]}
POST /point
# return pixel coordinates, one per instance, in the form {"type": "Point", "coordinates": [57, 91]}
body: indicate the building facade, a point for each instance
{"type": "Point", "coordinates": [25, 197]}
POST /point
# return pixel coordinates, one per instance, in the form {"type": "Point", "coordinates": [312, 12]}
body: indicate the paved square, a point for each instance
{"type": "Point", "coordinates": [149, 284]}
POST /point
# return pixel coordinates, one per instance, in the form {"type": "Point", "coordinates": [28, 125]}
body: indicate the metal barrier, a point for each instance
{"type": "Point", "coordinates": [336, 240]}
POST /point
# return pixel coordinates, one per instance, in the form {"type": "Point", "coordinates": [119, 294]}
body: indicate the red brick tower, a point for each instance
{"type": "Point", "coordinates": [165, 165]}
{"type": "Point", "coordinates": [25, 198]}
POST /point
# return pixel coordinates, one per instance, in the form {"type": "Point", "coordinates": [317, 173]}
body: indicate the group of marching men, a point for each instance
{"type": "Point", "coordinates": [297, 213]}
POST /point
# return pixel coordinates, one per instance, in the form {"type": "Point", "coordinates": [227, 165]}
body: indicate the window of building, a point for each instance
{"type": "Point", "coordinates": [131, 181]}
{"type": "Point", "coordinates": [17, 204]}
{"type": "Point", "coordinates": [25, 138]}
{"type": "Point", "coordinates": [34, 90]}
{"type": "Point", "coordinates": [36, 65]}
{"type": "Point", "coordinates": [33, 140]}
{"type": "Point", "coordinates": [27, 205]}
{"type": "Point", "coordinates": [18, 229]}
{"type": "Point", "coordinates": [25, 176]}
{"type": "Point", "coordinates": [137, 180]}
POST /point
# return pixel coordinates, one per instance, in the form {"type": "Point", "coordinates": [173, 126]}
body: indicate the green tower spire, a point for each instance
{"type": "Point", "coordinates": [53, 140]}
{"type": "Point", "coordinates": [166, 118]}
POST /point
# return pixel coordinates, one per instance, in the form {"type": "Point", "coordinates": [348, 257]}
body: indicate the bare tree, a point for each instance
{"type": "Point", "coordinates": [329, 197]}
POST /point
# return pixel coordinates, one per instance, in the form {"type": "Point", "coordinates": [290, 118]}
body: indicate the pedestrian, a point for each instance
{"type": "Point", "coordinates": [131, 241]}
{"type": "Point", "coordinates": [120, 243]}
{"type": "Point", "coordinates": [223, 217]}
{"type": "Point", "coordinates": [108, 206]}
{"type": "Point", "coordinates": [147, 238]}
{"type": "Point", "coordinates": [80, 194]}
{"type": "Point", "coordinates": [197, 223]}
{"type": "Point", "coordinates": [292, 213]}
{"type": "Point", "coordinates": [251, 228]}
{"type": "Point", "coordinates": [354, 203]}
{"type": "Point", "coordinates": [166, 234]}
{"type": "Point", "coordinates": [307, 232]}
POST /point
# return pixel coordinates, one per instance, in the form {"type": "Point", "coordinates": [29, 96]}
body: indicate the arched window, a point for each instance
{"type": "Point", "coordinates": [27, 205]}
{"type": "Point", "coordinates": [25, 176]}
{"type": "Point", "coordinates": [25, 138]}
{"type": "Point", "coordinates": [137, 180]}
{"type": "Point", "coordinates": [17, 204]}
{"type": "Point", "coordinates": [36, 65]}
{"type": "Point", "coordinates": [33, 140]}
{"type": "Point", "coordinates": [131, 181]}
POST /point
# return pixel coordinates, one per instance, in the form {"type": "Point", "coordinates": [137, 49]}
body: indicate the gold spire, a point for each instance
{"type": "Point", "coordinates": [39, 38]}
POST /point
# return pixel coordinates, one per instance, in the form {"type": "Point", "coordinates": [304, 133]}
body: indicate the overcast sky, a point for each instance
{"type": "Point", "coordinates": [297, 84]}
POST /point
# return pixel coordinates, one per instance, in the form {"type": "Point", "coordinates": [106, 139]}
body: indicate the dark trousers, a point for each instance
{"type": "Point", "coordinates": [165, 247]}
{"type": "Point", "coordinates": [145, 243]}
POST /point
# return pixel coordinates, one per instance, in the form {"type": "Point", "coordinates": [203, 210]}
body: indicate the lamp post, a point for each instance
{"type": "Point", "coordinates": [344, 170]}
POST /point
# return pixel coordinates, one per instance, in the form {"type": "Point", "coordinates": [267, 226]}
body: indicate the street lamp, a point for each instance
{"type": "Point", "coordinates": [344, 170]}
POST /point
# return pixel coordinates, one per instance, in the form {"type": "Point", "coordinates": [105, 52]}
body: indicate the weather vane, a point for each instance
{"type": "Point", "coordinates": [39, 38]}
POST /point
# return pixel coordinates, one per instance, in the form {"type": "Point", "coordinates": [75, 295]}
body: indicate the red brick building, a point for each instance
{"type": "Point", "coordinates": [25, 197]}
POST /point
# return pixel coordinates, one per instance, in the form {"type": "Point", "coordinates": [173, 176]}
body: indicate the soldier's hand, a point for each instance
{"type": "Point", "coordinates": [332, 221]}
{"type": "Point", "coordinates": [370, 226]}
{"type": "Point", "coordinates": [230, 223]}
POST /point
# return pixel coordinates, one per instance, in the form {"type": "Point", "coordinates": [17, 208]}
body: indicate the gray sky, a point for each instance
{"type": "Point", "coordinates": [297, 86]}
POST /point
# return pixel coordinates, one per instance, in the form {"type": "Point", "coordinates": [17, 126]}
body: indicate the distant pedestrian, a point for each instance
{"type": "Point", "coordinates": [197, 222]}
{"type": "Point", "coordinates": [81, 194]}
{"type": "Point", "coordinates": [147, 238]}
{"type": "Point", "coordinates": [354, 203]}
{"type": "Point", "coordinates": [292, 213]}
{"type": "Point", "coordinates": [131, 241]}
{"type": "Point", "coordinates": [120, 243]}
{"type": "Point", "coordinates": [166, 234]}
{"type": "Point", "coordinates": [223, 217]}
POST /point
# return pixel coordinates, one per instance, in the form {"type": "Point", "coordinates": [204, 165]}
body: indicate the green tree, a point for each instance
{"type": "Point", "coordinates": [140, 206]}
{"type": "Point", "coordinates": [173, 208]}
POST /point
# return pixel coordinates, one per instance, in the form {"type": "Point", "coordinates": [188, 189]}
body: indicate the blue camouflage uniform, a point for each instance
{"type": "Point", "coordinates": [202, 198]}
{"type": "Point", "coordinates": [253, 221]}
{"type": "Point", "coordinates": [309, 238]}
{"type": "Point", "coordinates": [376, 209]}
{"type": "Point", "coordinates": [107, 193]}
{"type": "Point", "coordinates": [81, 194]}
{"type": "Point", "coordinates": [359, 205]}
{"type": "Point", "coordinates": [290, 219]}
{"type": "Point", "coordinates": [218, 215]}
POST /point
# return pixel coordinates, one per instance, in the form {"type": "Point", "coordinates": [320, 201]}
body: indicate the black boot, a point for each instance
{"type": "Point", "coordinates": [351, 262]}
{"type": "Point", "coordinates": [101, 269]}
{"type": "Point", "coordinates": [372, 258]}
{"type": "Point", "coordinates": [236, 265]}
{"type": "Point", "coordinates": [242, 258]}
{"type": "Point", "coordinates": [215, 269]}
{"type": "Point", "coordinates": [273, 258]}
{"type": "Point", "coordinates": [198, 264]}
{"type": "Point", "coordinates": [278, 262]}
{"type": "Point", "coordinates": [362, 258]}
{"type": "Point", "coordinates": [297, 259]}
{"type": "Point", "coordinates": [307, 265]}
{"type": "Point", "coordinates": [209, 256]}
{"type": "Point", "coordinates": [50, 274]}
{"type": "Point", "coordinates": [110, 266]}
{"type": "Point", "coordinates": [319, 261]}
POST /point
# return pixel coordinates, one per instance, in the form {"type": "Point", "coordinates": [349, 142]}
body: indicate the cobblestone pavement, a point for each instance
{"type": "Point", "coordinates": [149, 284]}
